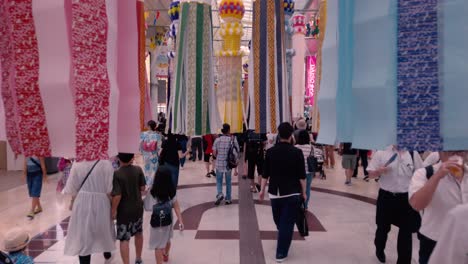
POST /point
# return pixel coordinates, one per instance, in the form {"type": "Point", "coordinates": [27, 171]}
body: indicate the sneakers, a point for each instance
{"type": "Point", "coordinates": [213, 173]}
{"type": "Point", "coordinates": [347, 183]}
{"type": "Point", "coordinates": [139, 261]}
{"type": "Point", "coordinates": [280, 259]}
{"type": "Point", "coordinates": [228, 202]}
{"type": "Point", "coordinates": [208, 175]}
{"type": "Point", "coordinates": [219, 198]}
{"type": "Point", "coordinates": [366, 178]}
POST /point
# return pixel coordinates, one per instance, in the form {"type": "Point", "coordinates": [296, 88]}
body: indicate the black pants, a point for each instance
{"type": "Point", "coordinates": [364, 161]}
{"type": "Point", "coordinates": [197, 145]}
{"type": "Point", "coordinates": [426, 246]}
{"type": "Point", "coordinates": [254, 160]}
{"type": "Point", "coordinates": [394, 209]}
{"type": "Point", "coordinates": [87, 259]}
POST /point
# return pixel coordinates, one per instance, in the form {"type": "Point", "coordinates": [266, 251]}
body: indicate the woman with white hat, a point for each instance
{"type": "Point", "coordinates": [16, 241]}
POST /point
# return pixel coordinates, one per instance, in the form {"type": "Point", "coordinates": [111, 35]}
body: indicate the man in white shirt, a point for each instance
{"type": "Point", "coordinates": [452, 246]}
{"type": "Point", "coordinates": [434, 191]}
{"type": "Point", "coordinates": [395, 169]}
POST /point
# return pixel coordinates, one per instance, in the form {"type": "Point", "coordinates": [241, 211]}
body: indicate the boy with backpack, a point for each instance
{"type": "Point", "coordinates": [226, 151]}
{"type": "Point", "coordinates": [127, 206]}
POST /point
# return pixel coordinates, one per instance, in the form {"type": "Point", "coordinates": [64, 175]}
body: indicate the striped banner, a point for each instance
{"type": "Point", "coordinates": [269, 87]}
{"type": "Point", "coordinates": [193, 106]}
{"type": "Point", "coordinates": [60, 85]}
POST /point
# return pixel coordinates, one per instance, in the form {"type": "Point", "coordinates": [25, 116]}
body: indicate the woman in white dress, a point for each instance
{"type": "Point", "coordinates": [91, 229]}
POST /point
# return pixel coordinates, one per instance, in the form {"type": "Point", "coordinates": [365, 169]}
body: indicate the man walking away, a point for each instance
{"type": "Point", "coordinates": [285, 171]}
{"type": "Point", "coordinates": [363, 156]}
{"type": "Point", "coordinates": [221, 148]}
{"type": "Point", "coordinates": [196, 147]}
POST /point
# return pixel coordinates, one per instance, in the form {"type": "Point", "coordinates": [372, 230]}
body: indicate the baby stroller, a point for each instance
{"type": "Point", "coordinates": [319, 157]}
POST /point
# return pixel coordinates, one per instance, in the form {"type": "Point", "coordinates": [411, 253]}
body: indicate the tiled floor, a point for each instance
{"type": "Point", "coordinates": [342, 221]}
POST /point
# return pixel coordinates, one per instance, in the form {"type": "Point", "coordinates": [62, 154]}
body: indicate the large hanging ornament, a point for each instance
{"type": "Point", "coordinates": [230, 64]}
{"type": "Point", "coordinates": [268, 90]}
{"type": "Point", "coordinates": [62, 94]}
{"type": "Point", "coordinates": [193, 103]}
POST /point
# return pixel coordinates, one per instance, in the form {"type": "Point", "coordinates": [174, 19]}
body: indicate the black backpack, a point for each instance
{"type": "Point", "coordinates": [232, 161]}
{"type": "Point", "coordinates": [162, 214]}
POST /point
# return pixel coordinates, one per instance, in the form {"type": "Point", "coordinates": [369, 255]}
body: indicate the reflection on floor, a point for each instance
{"type": "Point", "coordinates": [341, 222]}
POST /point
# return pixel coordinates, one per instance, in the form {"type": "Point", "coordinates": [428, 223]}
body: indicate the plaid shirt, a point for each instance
{"type": "Point", "coordinates": [221, 146]}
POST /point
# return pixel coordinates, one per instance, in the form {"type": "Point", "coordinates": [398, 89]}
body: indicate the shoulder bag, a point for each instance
{"type": "Point", "coordinates": [82, 183]}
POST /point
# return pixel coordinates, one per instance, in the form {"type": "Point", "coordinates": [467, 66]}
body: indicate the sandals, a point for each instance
{"type": "Point", "coordinates": [253, 189]}
{"type": "Point", "coordinates": [38, 211]}
{"type": "Point", "coordinates": [31, 215]}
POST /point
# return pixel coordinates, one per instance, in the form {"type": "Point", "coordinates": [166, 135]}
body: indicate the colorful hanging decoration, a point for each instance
{"type": "Point", "coordinates": [268, 90]}
{"type": "Point", "coordinates": [322, 17]}
{"type": "Point", "coordinates": [61, 91]}
{"type": "Point", "coordinates": [174, 11]}
{"type": "Point", "coordinates": [407, 90]}
{"type": "Point", "coordinates": [193, 102]}
{"type": "Point", "coordinates": [290, 52]}
{"type": "Point", "coordinates": [298, 73]}
{"type": "Point", "coordinates": [230, 64]}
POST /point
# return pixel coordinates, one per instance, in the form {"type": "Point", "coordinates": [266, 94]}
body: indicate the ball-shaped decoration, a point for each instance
{"type": "Point", "coordinates": [288, 7]}
{"type": "Point", "coordinates": [231, 10]}
{"type": "Point", "coordinates": [174, 10]}
{"type": "Point", "coordinates": [245, 67]}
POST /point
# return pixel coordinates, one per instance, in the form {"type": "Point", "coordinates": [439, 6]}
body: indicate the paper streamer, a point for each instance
{"type": "Point", "coordinates": [7, 81]}
{"type": "Point", "coordinates": [54, 75]}
{"type": "Point", "coordinates": [268, 57]}
{"type": "Point", "coordinates": [298, 77]}
{"type": "Point", "coordinates": [193, 106]}
{"type": "Point", "coordinates": [230, 65]}
{"type": "Point", "coordinates": [141, 60]}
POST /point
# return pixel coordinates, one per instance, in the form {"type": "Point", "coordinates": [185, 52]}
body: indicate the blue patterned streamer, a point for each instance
{"type": "Point", "coordinates": [418, 122]}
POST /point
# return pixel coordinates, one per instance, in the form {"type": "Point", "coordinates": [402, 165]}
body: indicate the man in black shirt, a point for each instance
{"type": "Point", "coordinates": [285, 169]}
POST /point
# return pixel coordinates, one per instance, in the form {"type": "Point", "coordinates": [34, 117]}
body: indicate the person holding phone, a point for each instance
{"type": "Point", "coordinates": [395, 168]}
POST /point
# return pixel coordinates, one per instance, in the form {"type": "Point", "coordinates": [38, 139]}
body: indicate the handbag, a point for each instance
{"type": "Point", "coordinates": [301, 221]}
{"type": "Point", "coordinates": [35, 163]}
{"type": "Point", "coordinates": [311, 161]}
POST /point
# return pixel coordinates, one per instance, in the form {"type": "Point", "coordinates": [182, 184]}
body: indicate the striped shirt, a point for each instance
{"type": "Point", "coordinates": [306, 151]}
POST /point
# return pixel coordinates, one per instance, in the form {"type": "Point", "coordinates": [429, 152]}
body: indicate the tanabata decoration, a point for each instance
{"type": "Point", "coordinates": [60, 85]}
{"type": "Point", "coordinates": [193, 102]}
{"type": "Point", "coordinates": [322, 17]}
{"type": "Point", "coordinates": [298, 79]}
{"type": "Point", "coordinates": [228, 92]}
{"type": "Point", "coordinates": [290, 51]}
{"type": "Point", "coordinates": [174, 12]}
{"type": "Point", "coordinates": [268, 90]}
{"type": "Point", "coordinates": [393, 73]}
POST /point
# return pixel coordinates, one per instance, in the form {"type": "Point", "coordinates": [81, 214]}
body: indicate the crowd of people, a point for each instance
{"type": "Point", "coordinates": [416, 195]}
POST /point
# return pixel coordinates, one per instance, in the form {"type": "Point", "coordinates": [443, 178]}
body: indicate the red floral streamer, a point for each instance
{"type": "Point", "coordinates": [7, 90]}
{"type": "Point", "coordinates": [92, 88]}
{"type": "Point", "coordinates": [32, 121]}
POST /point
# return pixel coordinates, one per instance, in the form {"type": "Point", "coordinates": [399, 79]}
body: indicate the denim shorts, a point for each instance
{"type": "Point", "coordinates": [34, 180]}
